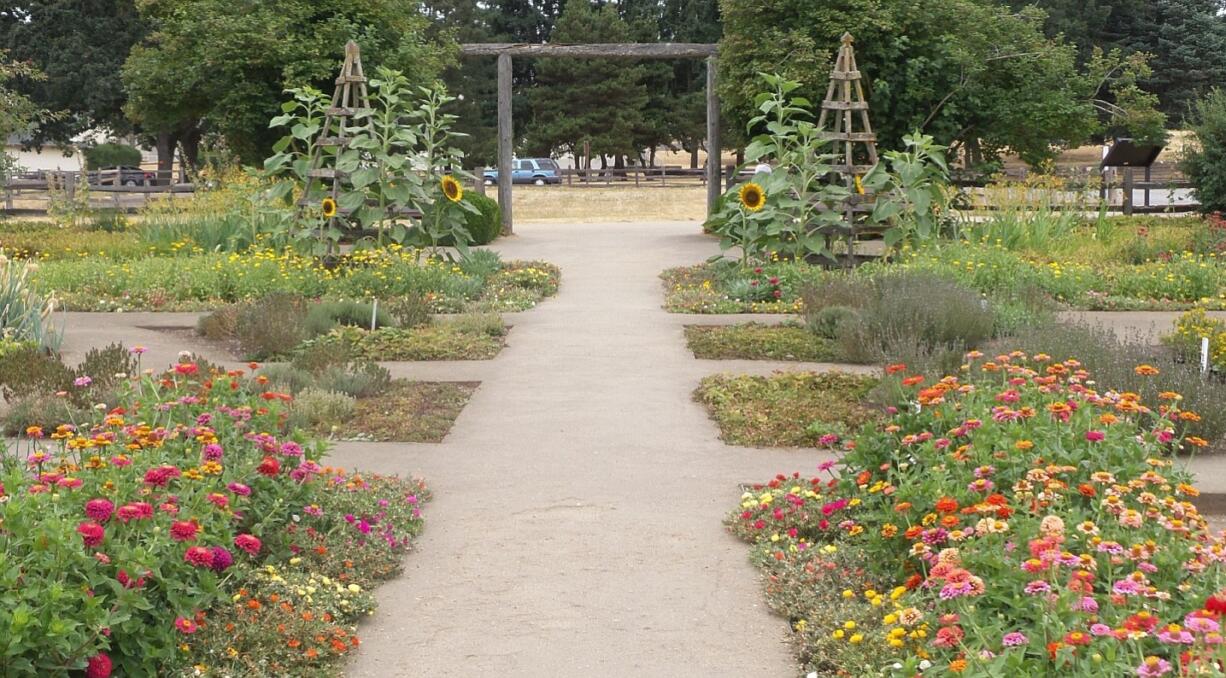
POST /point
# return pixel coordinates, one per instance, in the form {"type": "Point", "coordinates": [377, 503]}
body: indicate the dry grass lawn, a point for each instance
{"type": "Point", "coordinates": [616, 203]}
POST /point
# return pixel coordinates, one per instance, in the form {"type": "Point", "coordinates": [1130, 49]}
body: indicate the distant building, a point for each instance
{"type": "Point", "coordinates": [54, 156]}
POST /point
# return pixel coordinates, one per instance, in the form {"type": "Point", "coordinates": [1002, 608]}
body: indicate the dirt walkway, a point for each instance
{"type": "Point", "coordinates": [577, 526]}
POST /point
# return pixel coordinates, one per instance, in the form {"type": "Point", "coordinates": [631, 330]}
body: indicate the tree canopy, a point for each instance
{"type": "Point", "coordinates": [80, 45]}
{"type": "Point", "coordinates": [971, 73]}
{"type": "Point", "coordinates": [221, 66]}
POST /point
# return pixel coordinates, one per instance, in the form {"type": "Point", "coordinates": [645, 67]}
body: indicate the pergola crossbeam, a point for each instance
{"type": "Point", "coordinates": [613, 50]}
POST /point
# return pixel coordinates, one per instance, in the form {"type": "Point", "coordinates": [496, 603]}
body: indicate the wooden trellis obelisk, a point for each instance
{"type": "Point", "coordinates": [855, 148]}
{"type": "Point", "coordinates": [348, 100]}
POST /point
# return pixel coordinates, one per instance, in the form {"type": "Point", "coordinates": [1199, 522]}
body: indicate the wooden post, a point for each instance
{"type": "Point", "coordinates": [479, 180]}
{"type": "Point", "coordinates": [504, 142]}
{"type": "Point", "coordinates": [1127, 191]}
{"type": "Point", "coordinates": [713, 143]}
{"type": "Point", "coordinates": [1148, 178]}
{"type": "Point", "coordinates": [730, 177]}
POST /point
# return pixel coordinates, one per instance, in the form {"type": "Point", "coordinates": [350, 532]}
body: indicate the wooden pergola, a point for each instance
{"type": "Point", "coordinates": [505, 52]}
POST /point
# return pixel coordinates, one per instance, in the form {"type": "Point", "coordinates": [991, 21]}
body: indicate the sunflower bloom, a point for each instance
{"type": "Point", "coordinates": [452, 188]}
{"type": "Point", "coordinates": [752, 196]}
{"type": "Point", "coordinates": [328, 207]}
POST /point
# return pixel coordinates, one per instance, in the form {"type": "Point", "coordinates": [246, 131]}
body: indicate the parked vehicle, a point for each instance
{"type": "Point", "coordinates": [126, 175]}
{"type": "Point", "coordinates": [539, 171]}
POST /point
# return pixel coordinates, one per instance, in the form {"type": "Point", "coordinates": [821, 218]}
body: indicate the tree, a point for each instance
{"type": "Point", "coordinates": [221, 67]}
{"type": "Point", "coordinates": [1186, 40]}
{"type": "Point", "coordinates": [80, 45]}
{"type": "Point", "coordinates": [971, 73]}
{"type": "Point", "coordinates": [1205, 165]}
{"type": "Point", "coordinates": [592, 100]}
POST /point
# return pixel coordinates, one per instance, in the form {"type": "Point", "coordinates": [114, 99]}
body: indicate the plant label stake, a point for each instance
{"type": "Point", "coordinates": [1204, 355]}
{"type": "Point", "coordinates": [374, 313]}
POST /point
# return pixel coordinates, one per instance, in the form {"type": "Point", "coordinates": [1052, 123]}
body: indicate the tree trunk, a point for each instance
{"type": "Point", "coordinates": [166, 142]}
{"type": "Point", "coordinates": [740, 157]}
{"type": "Point", "coordinates": [694, 156]}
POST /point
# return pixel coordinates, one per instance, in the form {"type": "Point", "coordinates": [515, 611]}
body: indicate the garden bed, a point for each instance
{"type": "Point", "coordinates": [193, 282]}
{"type": "Point", "coordinates": [787, 409]}
{"type": "Point", "coordinates": [183, 528]}
{"type": "Point", "coordinates": [1007, 521]}
{"type": "Point", "coordinates": [407, 412]}
{"type": "Point", "coordinates": [754, 341]}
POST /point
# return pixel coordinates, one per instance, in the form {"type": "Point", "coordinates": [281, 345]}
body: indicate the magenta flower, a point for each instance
{"type": "Point", "coordinates": [91, 533]}
{"type": "Point", "coordinates": [249, 543]}
{"type": "Point", "coordinates": [1095, 436]}
{"type": "Point", "coordinates": [99, 510]}
{"type": "Point", "coordinates": [1152, 667]}
{"type": "Point", "coordinates": [199, 556]}
{"type": "Point", "coordinates": [1014, 639]}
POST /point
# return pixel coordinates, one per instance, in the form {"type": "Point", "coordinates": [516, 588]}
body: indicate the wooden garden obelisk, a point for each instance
{"type": "Point", "coordinates": [855, 145]}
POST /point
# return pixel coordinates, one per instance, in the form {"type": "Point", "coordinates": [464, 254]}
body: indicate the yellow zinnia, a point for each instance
{"type": "Point", "coordinates": [752, 196]}
{"type": "Point", "coordinates": [452, 189]}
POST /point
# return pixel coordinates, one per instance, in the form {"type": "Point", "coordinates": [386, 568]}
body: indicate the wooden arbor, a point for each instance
{"type": "Point", "coordinates": [856, 147]}
{"type": "Point", "coordinates": [505, 51]}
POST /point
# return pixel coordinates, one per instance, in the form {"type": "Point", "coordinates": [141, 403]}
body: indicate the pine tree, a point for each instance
{"type": "Point", "coordinates": [594, 100]}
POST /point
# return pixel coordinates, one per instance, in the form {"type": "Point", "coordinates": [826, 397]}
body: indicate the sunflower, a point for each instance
{"type": "Point", "coordinates": [752, 196]}
{"type": "Point", "coordinates": [452, 189]}
{"type": "Point", "coordinates": [328, 207]}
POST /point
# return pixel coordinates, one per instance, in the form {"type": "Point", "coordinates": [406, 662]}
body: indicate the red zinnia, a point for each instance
{"type": "Point", "coordinates": [200, 556]}
{"type": "Point", "coordinates": [99, 510]}
{"type": "Point", "coordinates": [269, 467]}
{"type": "Point", "coordinates": [1216, 603]}
{"type": "Point", "coordinates": [99, 666]}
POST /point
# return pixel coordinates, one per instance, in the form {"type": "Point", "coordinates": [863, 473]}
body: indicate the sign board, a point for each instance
{"type": "Point", "coordinates": [1125, 153]}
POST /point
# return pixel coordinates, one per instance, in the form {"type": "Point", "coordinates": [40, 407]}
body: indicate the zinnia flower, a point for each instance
{"type": "Point", "coordinates": [99, 510]}
{"type": "Point", "coordinates": [199, 556]}
{"type": "Point", "coordinates": [1014, 639]}
{"type": "Point", "coordinates": [91, 533]}
{"type": "Point", "coordinates": [1152, 667]}
{"type": "Point", "coordinates": [184, 530]}
{"type": "Point", "coordinates": [248, 542]}
{"type": "Point", "coordinates": [222, 558]}
{"type": "Point", "coordinates": [99, 666]}
{"type": "Point", "coordinates": [186, 626]}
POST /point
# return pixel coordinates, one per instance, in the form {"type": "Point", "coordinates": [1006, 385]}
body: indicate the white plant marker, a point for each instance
{"type": "Point", "coordinates": [1204, 355]}
{"type": "Point", "coordinates": [374, 313]}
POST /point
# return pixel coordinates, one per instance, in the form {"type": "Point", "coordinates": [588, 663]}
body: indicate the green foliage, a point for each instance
{"type": "Point", "coordinates": [827, 321]}
{"type": "Point", "coordinates": [404, 132]}
{"type": "Point", "coordinates": [469, 337]}
{"type": "Point", "coordinates": [792, 221]}
{"type": "Point", "coordinates": [326, 315]}
{"type": "Point", "coordinates": [913, 192]}
{"type": "Point", "coordinates": [105, 155]}
{"type": "Point", "coordinates": [1206, 165]}
{"type": "Point", "coordinates": [971, 74]}
{"type": "Point", "coordinates": [81, 47]}
{"type": "Point", "coordinates": [222, 65]}
{"type": "Point", "coordinates": [18, 112]}
{"type": "Point", "coordinates": [25, 315]}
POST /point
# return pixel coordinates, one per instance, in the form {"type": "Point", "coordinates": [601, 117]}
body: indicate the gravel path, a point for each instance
{"type": "Point", "coordinates": [576, 529]}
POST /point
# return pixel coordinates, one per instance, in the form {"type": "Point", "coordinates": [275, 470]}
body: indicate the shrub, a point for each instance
{"type": "Point", "coordinates": [481, 263]}
{"type": "Point", "coordinates": [272, 326]}
{"type": "Point", "coordinates": [42, 409]}
{"type": "Point", "coordinates": [27, 369]}
{"type": "Point", "coordinates": [105, 155]}
{"type": "Point", "coordinates": [826, 321]}
{"type": "Point", "coordinates": [1190, 328]}
{"type": "Point", "coordinates": [108, 220]}
{"type": "Point", "coordinates": [360, 379]}
{"type": "Point", "coordinates": [488, 324]}
{"type": "Point", "coordinates": [221, 324]}
{"type": "Point", "coordinates": [320, 409]}
{"type": "Point", "coordinates": [486, 224]}
{"type": "Point", "coordinates": [326, 315]}
{"type": "Point", "coordinates": [1206, 165]}
{"type": "Point", "coordinates": [409, 310]}
{"type": "Point", "coordinates": [286, 378]}
{"type": "Point", "coordinates": [321, 354]}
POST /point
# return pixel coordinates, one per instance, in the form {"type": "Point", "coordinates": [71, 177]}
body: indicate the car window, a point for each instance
{"type": "Point", "coordinates": [520, 165]}
{"type": "Point", "coordinates": [547, 163]}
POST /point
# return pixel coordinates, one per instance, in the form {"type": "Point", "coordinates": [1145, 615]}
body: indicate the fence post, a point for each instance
{"type": "Point", "coordinates": [1148, 178]}
{"type": "Point", "coordinates": [1127, 191]}
{"type": "Point", "coordinates": [730, 173]}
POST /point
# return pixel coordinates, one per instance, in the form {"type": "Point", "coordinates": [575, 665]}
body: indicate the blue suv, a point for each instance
{"type": "Point", "coordinates": [539, 171]}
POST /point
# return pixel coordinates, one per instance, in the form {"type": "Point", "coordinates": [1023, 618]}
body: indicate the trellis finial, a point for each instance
{"type": "Point", "coordinates": [847, 38]}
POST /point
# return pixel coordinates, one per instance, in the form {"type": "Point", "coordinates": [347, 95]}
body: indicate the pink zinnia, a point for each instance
{"type": "Point", "coordinates": [91, 533]}
{"type": "Point", "coordinates": [1014, 639]}
{"type": "Point", "coordinates": [239, 489]}
{"type": "Point", "coordinates": [1095, 436]}
{"type": "Point", "coordinates": [99, 510]}
{"type": "Point", "coordinates": [183, 530]}
{"type": "Point", "coordinates": [212, 452]}
{"type": "Point", "coordinates": [221, 558]}
{"type": "Point", "coordinates": [1100, 630]}
{"type": "Point", "coordinates": [185, 625]}
{"type": "Point", "coordinates": [1152, 667]}
{"type": "Point", "coordinates": [200, 556]}
{"type": "Point", "coordinates": [248, 542]}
